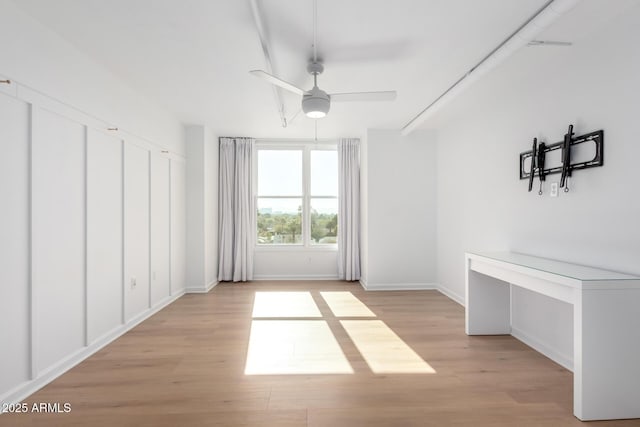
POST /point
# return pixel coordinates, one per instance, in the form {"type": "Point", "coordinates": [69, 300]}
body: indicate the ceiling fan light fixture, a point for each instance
{"type": "Point", "coordinates": [316, 114]}
{"type": "Point", "coordinates": [315, 103]}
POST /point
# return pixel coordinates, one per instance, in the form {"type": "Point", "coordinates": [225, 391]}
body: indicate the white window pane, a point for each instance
{"type": "Point", "coordinates": [324, 173]}
{"type": "Point", "coordinates": [279, 221]}
{"type": "Point", "coordinates": [324, 221]}
{"type": "Point", "coordinates": [279, 172]}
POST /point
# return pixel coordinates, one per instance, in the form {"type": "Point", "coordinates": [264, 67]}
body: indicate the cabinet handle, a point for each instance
{"type": "Point", "coordinates": [7, 81]}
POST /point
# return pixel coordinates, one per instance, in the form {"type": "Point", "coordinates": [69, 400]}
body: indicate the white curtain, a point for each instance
{"type": "Point", "coordinates": [236, 211]}
{"type": "Point", "coordinates": [349, 209]}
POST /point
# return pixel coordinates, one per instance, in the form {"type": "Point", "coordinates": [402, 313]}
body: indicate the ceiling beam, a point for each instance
{"type": "Point", "coordinates": [525, 34]}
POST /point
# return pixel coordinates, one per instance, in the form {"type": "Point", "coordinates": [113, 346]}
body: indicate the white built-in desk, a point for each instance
{"type": "Point", "coordinates": [606, 323]}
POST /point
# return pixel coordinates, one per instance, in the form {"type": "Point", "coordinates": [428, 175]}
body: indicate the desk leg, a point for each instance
{"type": "Point", "coordinates": [488, 305]}
{"type": "Point", "coordinates": [606, 377]}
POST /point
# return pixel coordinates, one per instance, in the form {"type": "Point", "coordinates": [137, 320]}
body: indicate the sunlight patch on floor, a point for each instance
{"type": "Point", "coordinates": [285, 304]}
{"type": "Point", "coordinates": [294, 347]}
{"type": "Point", "coordinates": [345, 304]}
{"type": "Point", "coordinates": [382, 349]}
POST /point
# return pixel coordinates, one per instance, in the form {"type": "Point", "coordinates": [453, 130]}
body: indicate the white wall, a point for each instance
{"type": "Point", "coordinates": [202, 209]}
{"type": "Point", "coordinates": [178, 221]}
{"type": "Point", "coordinates": [211, 154]}
{"type": "Point", "coordinates": [15, 247]}
{"type": "Point", "coordinates": [104, 233]}
{"type": "Point", "coordinates": [136, 230]}
{"type": "Point", "coordinates": [482, 205]}
{"type": "Point", "coordinates": [364, 211]}
{"type": "Point", "coordinates": [40, 59]}
{"type": "Point", "coordinates": [282, 263]}
{"type": "Point", "coordinates": [58, 235]}
{"type": "Point", "coordinates": [160, 228]}
{"type": "Point", "coordinates": [84, 209]}
{"type": "Point", "coordinates": [399, 175]}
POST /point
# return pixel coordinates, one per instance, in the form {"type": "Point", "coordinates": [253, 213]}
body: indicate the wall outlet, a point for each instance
{"type": "Point", "coordinates": [554, 189]}
{"type": "Point", "coordinates": [133, 282]}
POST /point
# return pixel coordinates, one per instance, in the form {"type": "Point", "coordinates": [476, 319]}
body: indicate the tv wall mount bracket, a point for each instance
{"type": "Point", "coordinates": [539, 151]}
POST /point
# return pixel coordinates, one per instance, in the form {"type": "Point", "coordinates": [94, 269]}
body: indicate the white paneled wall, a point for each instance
{"type": "Point", "coordinates": [104, 233]}
{"type": "Point", "coordinates": [84, 211]}
{"type": "Point", "coordinates": [136, 230]}
{"type": "Point", "coordinates": [178, 219]}
{"type": "Point", "coordinates": [58, 236]}
{"type": "Point", "coordinates": [160, 229]}
{"type": "Point", "coordinates": [15, 331]}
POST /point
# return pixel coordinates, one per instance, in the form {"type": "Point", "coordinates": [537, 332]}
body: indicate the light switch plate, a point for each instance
{"type": "Point", "coordinates": [554, 189]}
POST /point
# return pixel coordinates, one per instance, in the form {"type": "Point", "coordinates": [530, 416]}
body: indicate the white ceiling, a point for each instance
{"type": "Point", "coordinates": [193, 56]}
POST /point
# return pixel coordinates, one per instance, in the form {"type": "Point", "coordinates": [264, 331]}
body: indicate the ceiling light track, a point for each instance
{"type": "Point", "coordinates": [522, 36]}
{"type": "Point", "coordinates": [257, 18]}
{"type": "Point", "coordinates": [315, 30]}
{"type": "Point", "coordinates": [548, 43]}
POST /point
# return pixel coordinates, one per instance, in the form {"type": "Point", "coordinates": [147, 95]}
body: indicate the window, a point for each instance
{"type": "Point", "coordinates": [297, 194]}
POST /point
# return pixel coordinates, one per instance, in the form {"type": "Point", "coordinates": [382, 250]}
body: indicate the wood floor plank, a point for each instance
{"type": "Point", "coordinates": [185, 367]}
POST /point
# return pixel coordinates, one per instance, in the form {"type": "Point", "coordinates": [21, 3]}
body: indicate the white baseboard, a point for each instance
{"type": "Point", "coordinates": [540, 347]}
{"type": "Point", "coordinates": [550, 352]}
{"type": "Point", "coordinates": [296, 277]}
{"type": "Point", "coordinates": [202, 290]}
{"type": "Point", "coordinates": [398, 286]}
{"type": "Point", "coordinates": [451, 295]}
{"type": "Point", "coordinates": [412, 287]}
{"type": "Point", "coordinates": [27, 388]}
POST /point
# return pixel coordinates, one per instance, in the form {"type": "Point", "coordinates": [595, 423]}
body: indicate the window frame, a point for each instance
{"type": "Point", "coordinates": [306, 196]}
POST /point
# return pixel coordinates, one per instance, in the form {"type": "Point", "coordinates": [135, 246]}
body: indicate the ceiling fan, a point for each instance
{"type": "Point", "coordinates": [315, 101]}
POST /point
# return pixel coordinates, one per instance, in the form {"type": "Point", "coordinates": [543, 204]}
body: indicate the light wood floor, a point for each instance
{"type": "Point", "coordinates": [185, 367]}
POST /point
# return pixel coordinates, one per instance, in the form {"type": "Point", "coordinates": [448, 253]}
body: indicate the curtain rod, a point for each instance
{"type": "Point", "coordinates": [287, 140]}
{"type": "Point", "coordinates": [293, 140]}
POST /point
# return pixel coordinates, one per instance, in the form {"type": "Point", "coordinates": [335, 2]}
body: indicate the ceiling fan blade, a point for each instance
{"type": "Point", "coordinates": [278, 82]}
{"type": "Point", "coordinates": [388, 95]}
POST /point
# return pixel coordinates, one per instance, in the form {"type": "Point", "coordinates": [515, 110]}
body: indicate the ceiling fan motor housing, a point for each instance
{"type": "Point", "coordinates": [315, 67]}
{"type": "Point", "coordinates": [315, 103]}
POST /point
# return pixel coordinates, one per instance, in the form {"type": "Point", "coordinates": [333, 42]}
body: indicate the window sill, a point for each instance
{"type": "Point", "coordinates": [295, 248]}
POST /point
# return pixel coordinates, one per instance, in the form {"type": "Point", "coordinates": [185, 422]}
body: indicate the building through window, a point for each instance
{"type": "Point", "coordinates": [297, 194]}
